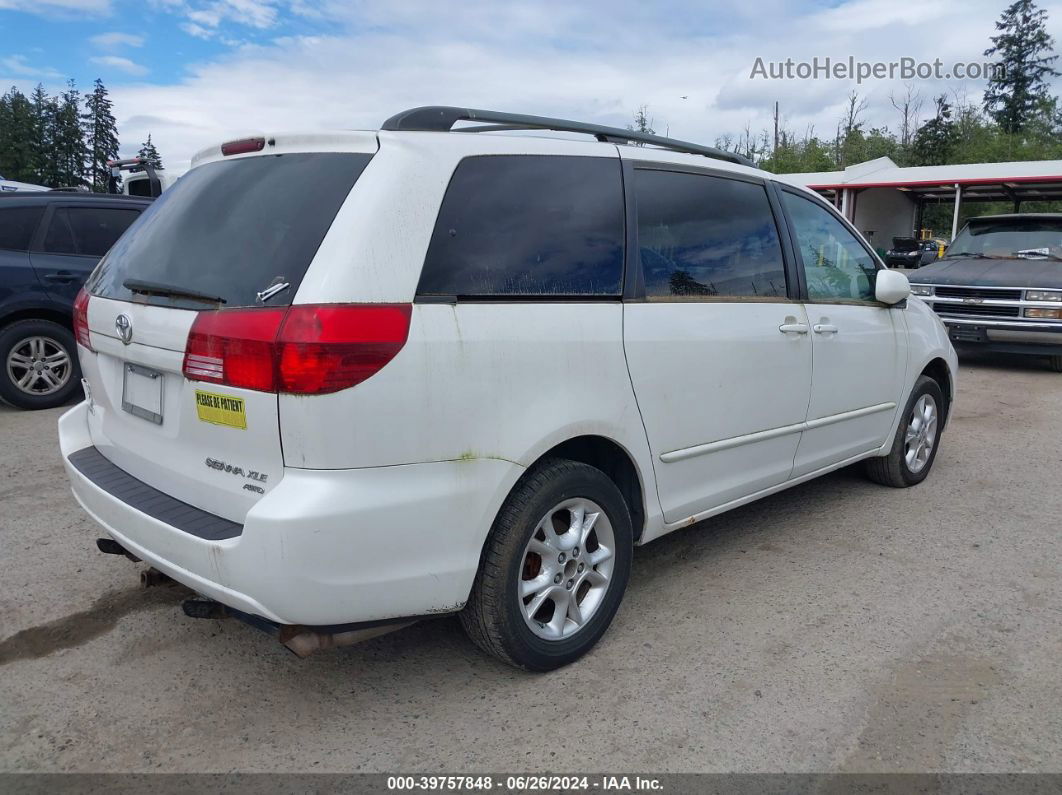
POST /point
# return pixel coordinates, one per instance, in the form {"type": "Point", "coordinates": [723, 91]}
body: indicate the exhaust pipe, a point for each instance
{"type": "Point", "coordinates": [304, 641]}
{"type": "Point", "coordinates": [152, 578]}
{"type": "Point", "coordinates": [301, 640]}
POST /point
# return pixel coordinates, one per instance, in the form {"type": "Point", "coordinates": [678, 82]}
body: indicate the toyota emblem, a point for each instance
{"type": "Point", "coordinates": [124, 326]}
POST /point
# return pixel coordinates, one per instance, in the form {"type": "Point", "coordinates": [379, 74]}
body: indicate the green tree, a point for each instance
{"type": "Point", "coordinates": [68, 147]}
{"type": "Point", "coordinates": [1018, 92]}
{"type": "Point", "coordinates": [42, 142]}
{"type": "Point", "coordinates": [150, 153]}
{"type": "Point", "coordinates": [101, 137]}
{"type": "Point", "coordinates": [642, 122]}
{"type": "Point", "coordinates": [17, 156]}
{"type": "Point", "coordinates": [934, 141]}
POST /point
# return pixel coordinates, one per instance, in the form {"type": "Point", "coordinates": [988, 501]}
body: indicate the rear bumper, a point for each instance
{"type": "Point", "coordinates": [1002, 336]}
{"type": "Point", "coordinates": [323, 547]}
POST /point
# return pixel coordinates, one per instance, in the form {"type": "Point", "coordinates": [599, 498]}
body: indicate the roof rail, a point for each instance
{"type": "Point", "coordinates": [441, 118]}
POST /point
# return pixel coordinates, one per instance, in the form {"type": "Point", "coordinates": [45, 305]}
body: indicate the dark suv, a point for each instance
{"type": "Point", "coordinates": [49, 243]}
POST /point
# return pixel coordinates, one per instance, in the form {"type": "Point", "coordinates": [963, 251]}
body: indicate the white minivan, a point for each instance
{"type": "Point", "coordinates": [336, 382]}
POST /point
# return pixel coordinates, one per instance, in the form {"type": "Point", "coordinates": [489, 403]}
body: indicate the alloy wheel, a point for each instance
{"type": "Point", "coordinates": [39, 365]}
{"type": "Point", "coordinates": [566, 569]}
{"type": "Point", "coordinates": [921, 434]}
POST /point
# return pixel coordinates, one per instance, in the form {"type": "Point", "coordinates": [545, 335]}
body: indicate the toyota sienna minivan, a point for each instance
{"type": "Point", "coordinates": [336, 382]}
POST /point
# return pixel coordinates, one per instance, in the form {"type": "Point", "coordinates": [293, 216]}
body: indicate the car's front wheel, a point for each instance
{"type": "Point", "coordinates": [914, 448]}
{"type": "Point", "coordinates": [39, 364]}
{"type": "Point", "coordinates": [554, 568]}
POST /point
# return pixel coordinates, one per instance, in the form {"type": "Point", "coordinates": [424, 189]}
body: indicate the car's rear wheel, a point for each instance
{"type": "Point", "coordinates": [554, 568]}
{"type": "Point", "coordinates": [38, 364]}
{"type": "Point", "coordinates": [914, 448]}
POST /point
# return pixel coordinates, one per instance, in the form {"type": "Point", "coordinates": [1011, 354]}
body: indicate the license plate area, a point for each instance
{"type": "Point", "coordinates": [967, 333]}
{"type": "Point", "coordinates": [142, 392]}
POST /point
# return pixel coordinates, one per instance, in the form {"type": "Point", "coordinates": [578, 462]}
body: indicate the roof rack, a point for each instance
{"type": "Point", "coordinates": [441, 118]}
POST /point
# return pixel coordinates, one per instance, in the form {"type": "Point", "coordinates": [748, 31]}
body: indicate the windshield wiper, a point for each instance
{"type": "Point", "coordinates": [169, 290]}
{"type": "Point", "coordinates": [974, 254]}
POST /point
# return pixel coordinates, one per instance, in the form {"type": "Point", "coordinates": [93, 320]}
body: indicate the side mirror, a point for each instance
{"type": "Point", "coordinates": [891, 287]}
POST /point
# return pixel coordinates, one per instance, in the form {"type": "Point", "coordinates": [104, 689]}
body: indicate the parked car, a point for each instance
{"type": "Point", "coordinates": [346, 380]}
{"type": "Point", "coordinates": [907, 252]}
{"type": "Point", "coordinates": [49, 243]}
{"type": "Point", "coordinates": [999, 287]}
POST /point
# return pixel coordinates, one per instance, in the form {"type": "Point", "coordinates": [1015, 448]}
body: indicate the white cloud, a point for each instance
{"type": "Point", "coordinates": [18, 67]}
{"type": "Point", "coordinates": [589, 61]}
{"type": "Point", "coordinates": [192, 29]}
{"type": "Point", "coordinates": [121, 64]}
{"type": "Point", "coordinates": [111, 41]}
{"type": "Point", "coordinates": [60, 7]}
{"type": "Point", "coordinates": [208, 16]}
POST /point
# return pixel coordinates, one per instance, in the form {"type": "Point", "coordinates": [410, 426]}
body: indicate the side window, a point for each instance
{"type": "Point", "coordinates": [95, 229]}
{"type": "Point", "coordinates": [17, 225]}
{"type": "Point", "coordinates": [526, 225]}
{"type": "Point", "coordinates": [706, 236]}
{"type": "Point", "coordinates": [837, 266]}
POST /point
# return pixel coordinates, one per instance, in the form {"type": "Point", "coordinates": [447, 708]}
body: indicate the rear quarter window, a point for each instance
{"type": "Point", "coordinates": [528, 225]}
{"type": "Point", "coordinates": [17, 225]}
{"type": "Point", "coordinates": [232, 228]}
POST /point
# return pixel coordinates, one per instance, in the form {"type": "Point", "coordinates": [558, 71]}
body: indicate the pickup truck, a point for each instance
{"type": "Point", "coordinates": [999, 285]}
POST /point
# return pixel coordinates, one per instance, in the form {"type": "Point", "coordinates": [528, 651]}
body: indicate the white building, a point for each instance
{"type": "Point", "coordinates": [886, 201]}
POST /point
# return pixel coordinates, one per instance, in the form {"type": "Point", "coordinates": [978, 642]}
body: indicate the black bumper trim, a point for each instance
{"type": "Point", "coordinates": [91, 463]}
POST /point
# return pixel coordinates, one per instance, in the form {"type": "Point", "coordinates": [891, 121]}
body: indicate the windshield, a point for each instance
{"type": "Point", "coordinates": [1010, 238]}
{"type": "Point", "coordinates": [231, 230]}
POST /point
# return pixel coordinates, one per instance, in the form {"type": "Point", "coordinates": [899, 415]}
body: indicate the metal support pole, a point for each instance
{"type": "Point", "coordinates": [955, 216]}
{"type": "Point", "coordinates": [844, 203]}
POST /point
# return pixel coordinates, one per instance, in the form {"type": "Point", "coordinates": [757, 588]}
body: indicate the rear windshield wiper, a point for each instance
{"type": "Point", "coordinates": [169, 290]}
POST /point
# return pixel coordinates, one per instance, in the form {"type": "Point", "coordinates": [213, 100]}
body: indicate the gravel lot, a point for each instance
{"type": "Point", "coordinates": [838, 626]}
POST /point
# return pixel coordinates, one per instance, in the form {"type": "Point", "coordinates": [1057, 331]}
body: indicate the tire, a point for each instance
{"type": "Point", "coordinates": [1055, 363]}
{"type": "Point", "coordinates": [495, 617]}
{"type": "Point", "coordinates": [48, 350]}
{"type": "Point", "coordinates": [897, 469]}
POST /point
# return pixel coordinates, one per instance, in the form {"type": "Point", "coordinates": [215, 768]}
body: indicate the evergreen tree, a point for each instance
{"type": "Point", "coordinates": [101, 137]}
{"type": "Point", "coordinates": [42, 142]}
{"type": "Point", "coordinates": [69, 150]}
{"type": "Point", "coordinates": [1018, 93]}
{"type": "Point", "coordinates": [17, 157]}
{"type": "Point", "coordinates": [150, 153]}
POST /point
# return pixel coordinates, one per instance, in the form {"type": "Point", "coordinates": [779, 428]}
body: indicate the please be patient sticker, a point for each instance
{"type": "Point", "coordinates": [221, 409]}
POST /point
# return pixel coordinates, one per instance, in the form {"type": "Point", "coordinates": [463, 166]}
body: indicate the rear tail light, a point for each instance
{"type": "Point", "coordinates": [303, 350]}
{"type": "Point", "coordinates": [81, 329]}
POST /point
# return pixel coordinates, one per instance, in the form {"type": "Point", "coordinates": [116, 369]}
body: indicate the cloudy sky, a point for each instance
{"type": "Point", "coordinates": [196, 72]}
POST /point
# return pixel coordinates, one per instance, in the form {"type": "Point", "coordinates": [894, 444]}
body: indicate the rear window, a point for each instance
{"type": "Point", "coordinates": [231, 229]}
{"type": "Point", "coordinates": [527, 225]}
{"type": "Point", "coordinates": [17, 225]}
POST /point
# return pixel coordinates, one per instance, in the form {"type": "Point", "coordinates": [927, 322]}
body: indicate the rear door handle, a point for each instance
{"type": "Point", "coordinates": [793, 328]}
{"type": "Point", "coordinates": [62, 277]}
{"type": "Point", "coordinates": [824, 328]}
